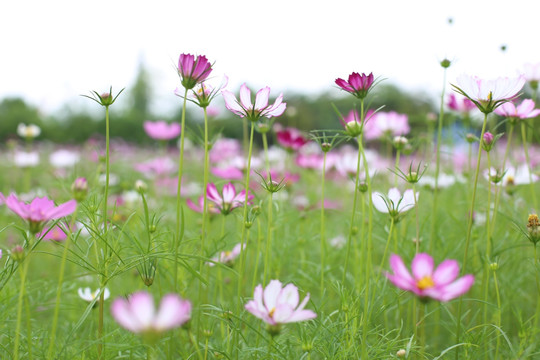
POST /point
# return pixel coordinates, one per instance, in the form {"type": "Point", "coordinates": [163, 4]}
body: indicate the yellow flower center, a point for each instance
{"type": "Point", "coordinates": [425, 283]}
{"type": "Point", "coordinates": [271, 312]}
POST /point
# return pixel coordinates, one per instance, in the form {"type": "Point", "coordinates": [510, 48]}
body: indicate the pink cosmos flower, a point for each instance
{"type": "Point", "coordinates": [228, 200]}
{"type": "Point", "coordinates": [291, 138]}
{"type": "Point", "coordinates": [156, 167]}
{"type": "Point", "coordinates": [40, 210]}
{"type": "Point", "coordinates": [461, 104]}
{"type": "Point", "coordinates": [212, 209]}
{"type": "Point", "coordinates": [55, 234]}
{"type": "Point", "coordinates": [532, 72]}
{"type": "Point", "coordinates": [488, 94]}
{"type": "Point", "coordinates": [277, 305]}
{"type": "Point", "coordinates": [358, 85]}
{"type": "Point", "coordinates": [227, 257]}
{"type": "Point", "coordinates": [160, 130]}
{"type": "Point", "coordinates": [138, 314]}
{"type": "Point", "coordinates": [245, 108]}
{"type": "Point", "coordinates": [386, 124]}
{"type": "Point", "coordinates": [193, 70]}
{"type": "Point", "coordinates": [525, 110]}
{"type": "Point", "coordinates": [440, 284]}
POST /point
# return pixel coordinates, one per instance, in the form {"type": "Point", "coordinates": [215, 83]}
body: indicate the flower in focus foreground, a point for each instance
{"type": "Point", "coordinates": [138, 314]}
{"type": "Point", "coordinates": [193, 70]}
{"type": "Point", "coordinates": [228, 200]}
{"type": "Point", "coordinates": [358, 85]}
{"type": "Point", "coordinates": [488, 94]}
{"type": "Point", "coordinates": [160, 130]}
{"type": "Point", "coordinates": [278, 305]}
{"type": "Point", "coordinates": [39, 211]}
{"type": "Point", "coordinates": [440, 284]}
{"type": "Point", "coordinates": [245, 108]}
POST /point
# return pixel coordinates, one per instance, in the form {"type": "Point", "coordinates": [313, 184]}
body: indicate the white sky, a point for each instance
{"type": "Point", "coordinates": [55, 50]}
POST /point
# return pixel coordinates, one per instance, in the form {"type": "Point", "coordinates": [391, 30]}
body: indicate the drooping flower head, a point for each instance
{"type": "Point", "coordinates": [161, 130]}
{"type": "Point", "coordinates": [278, 305]}
{"type": "Point", "coordinates": [440, 284]}
{"type": "Point", "coordinates": [394, 204]}
{"type": "Point", "coordinates": [358, 85]}
{"type": "Point", "coordinates": [514, 113]}
{"type": "Point", "coordinates": [227, 257]}
{"type": "Point", "coordinates": [228, 200]}
{"type": "Point", "coordinates": [138, 314]}
{"type": "Point", "coordinates": [193, 70]}
{"type": "Point", "coordinates": [39, 211]}
{"type": "Point", "coordinates": [253, 112]}
{"type": "Point", "coordinates": [487, 95]}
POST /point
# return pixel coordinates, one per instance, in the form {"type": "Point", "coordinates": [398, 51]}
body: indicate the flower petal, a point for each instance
{"type": "Point", "coordinates": [422, 266]}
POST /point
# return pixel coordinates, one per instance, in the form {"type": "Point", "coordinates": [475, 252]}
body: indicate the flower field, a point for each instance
{"type": "Point", "coordinates": [362, 243]}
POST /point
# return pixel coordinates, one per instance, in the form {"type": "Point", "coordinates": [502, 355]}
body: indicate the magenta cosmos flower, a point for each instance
{"type": "Point", "coordinates": [40, 210]}
{"type": "Point", "coordinates": [488, 94]}
{"type": "Point", "coordinates": [358, 85]}
{"type": "Point", "coordinates": [525, 110]}
{"type": "Point", "coordinates": [440, 284]}
{"type": "Point", "coordinates": [138, 314]}
{"type": "Point", "coordinates": [228, 200]}
{"type": "Point", "coordinates": [193, 70]}
{"type": "Point", "coordinates": [160, 130]}
{"type": "Point", "coordinates": [382, 124]}
{"type": "Point", "coordinates": [461, 104]}
{"type": "Point", "coordinates": [290, 138]}
{"type": "Point", "coordinates": [278, 305]}
{"type": "Point", "coordinates": [245, 108]}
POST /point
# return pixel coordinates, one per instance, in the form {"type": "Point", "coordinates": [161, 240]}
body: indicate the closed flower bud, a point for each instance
{"type": "Point", "coordinates": [470, 138]}
{"type": "Point", "coordinates": [533, 228]}
{"type": "Point", "coordinates": [446, 63]}
{"type": "Point", "coordinates": [80, 189]}
{"type": "Point", "coordinates": [17, 253]}
{"type": "Point", "coordinates": [401, 353]}
{"type": "Point", "coordinates": [488, 140]}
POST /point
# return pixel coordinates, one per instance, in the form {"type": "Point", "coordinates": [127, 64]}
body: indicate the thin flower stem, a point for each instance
{"type": "Point", "coordinates": [488, 253]}
{"type": "Point", "coordinates": [107, 170]}
{"type": "Point", "coordinates": [179, 234]}
{"type": "Point", "coordinates": [392, 221]}
{"type": "Point", "coordinates": [322, 235]}
{"type": "Point", "coordinates": [499, 320]}
{"type": "Point", "coordinates": [60, 282]}
{"type": "Point", "coordinates": [417, 242]}
{"type": "Point", "coordinates": [537, 276]}
{"type": "Point", "coordinates": [353, 212]}
{"type": "Point", "coordinates": [268, 238]}
{"type": "Point", "coordinates": [396, 167]}
{"type": "Point", "coordinates": [266, 158]}
{"type": "Point", "coordinates": [526, 150]}
{"type": "Point", "coordinates": [469, 232]}
{"type": "Point", "coordinates": [258, 256]}
{"type": "Point", "coordinates": [437, 165]}
{"type": "Point", "coordinates": [22, 289]}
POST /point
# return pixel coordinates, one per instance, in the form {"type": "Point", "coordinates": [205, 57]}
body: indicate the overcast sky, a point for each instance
{"type": "Point", "coordinates": [54, 50]}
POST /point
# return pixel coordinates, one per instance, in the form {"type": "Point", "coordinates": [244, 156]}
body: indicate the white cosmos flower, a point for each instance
{"type": "Point", "coordinates": [25, 159]}
{"type": "Point", "coordinates": [88, 295]}
{"type": "Point", "coordinates": [28, 131]}
{"type": "Point", "coordinates": [394, 204]}
{"type": "Point", "coordinates": [64, 158]}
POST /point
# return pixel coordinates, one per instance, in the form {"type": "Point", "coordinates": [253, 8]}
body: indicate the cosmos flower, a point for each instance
{"type": "Point", "coordinates": [488, 94]}
{"type": "Point", "coordinates": [28, 131]}
{"type": "Point", "coordinates": [88, 295]}
{"type": "Point", "coordinates": [227, 257]}
{"type": "Point", "coordinates": [193, 71]}
{"type": "Point", "coordinates": [253, 112]}
{"type": "Point", "coordinates": [25, 159]}
{"type": "Point", "coordinates": [383, 124]}
{"type": "Point", "coordinates": [228, 200]}
{"type": "Point", "coordinates": [277, 305]}
{"type": "Point", "coordinates": [440, 284]}
{"type": "Point", "coordinates": [161, 130]}
{"type": "Point", "coordinates": [357, 85]}
{"type": "Point", "coordinates": [138, 314]}
{"type": "Point", "coordinates": [40, 210]}
{"type": "Point", "coordinates": [290, 138]}
{"type": "Point", "coordinates": [64, 158]}
{"type": "Point", "coordinates": [525, 110]}
{"type": "Point", "coordinates": [394, 204]}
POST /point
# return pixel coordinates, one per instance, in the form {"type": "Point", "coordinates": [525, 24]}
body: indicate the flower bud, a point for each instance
{"type": "Point", "coordinates": [326, 147]}
{"type": "Point", "coordinates": [470, 138]}
{"type": "Point", "coordinates": [353, 129]}
{"type": "Point", "coordinates": [362, 187]}
{"type": "Point", "coordinates": [399, 142]}
{"type": "Point", "coordinates": [141, 186]}
{"type": "Point", "coordinates": [488, 140]}
{"type": "Point", "coordinates": [446, 63]}
{"type": "Point", "coordinates": [494, 266]}
{"type": "Point", "coordinates": [401, 353]}
{"type": "Point", "coordinates": [17, 253]}
{"type": "Point", "coordinates": [533, 227]}
{"type": "Point", "coordinates": [79, 189]}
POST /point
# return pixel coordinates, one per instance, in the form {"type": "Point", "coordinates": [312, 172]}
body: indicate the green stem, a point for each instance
{"type": "Point", "coordinates": [107, 170]}
{"type": "Point", "coordinates": [59, 287]}
{"type": "Point", "coordinates": [417, 242]}
{"type": "Point", "coordinates": [268, 238]}
{"type": "Point", "coordinates": [396, 168]}
{"type": "Point", "coordinates": [499, 320]}
{"type": "Point", "coordinates": [179, 234]}
{"type": "Point", "coordinates": [22, 289]}
{"type": "Point", "coordinates": [322, 235]}
{"type": "Point", "coordinates": [437, 165]}
{"type": "Point", "coordinates": [469, 231]}
{"type": "Point", "coordinates": [526, 150]}
{"type": "Point", "coordinates": [392, 221]}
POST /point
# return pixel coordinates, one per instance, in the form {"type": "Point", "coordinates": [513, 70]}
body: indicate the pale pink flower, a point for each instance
{"type": "Point", "coordinates": [138, 314]}
{"type": "Point", "coordinates": [227, 257]}
{"type": "Point", "coordinates": [55, 233]}
{"type": "Point", "coordinates": [461, 104]}
{"type": "Point", "coordinates": [383, 124]}
{"type": "Point", "coordinates": [525, 110]}
{"type": "Point", "coordinates": [228, 200]}
{"type": "Point", "coordinates": [156, 167]}
{"type": "Point", "coordinates": [199, 206]}
{"type": "Point", "coordinates": [531, 72]}
{"type": "Point", "coordinates": [225, 149]}
{"type": "Point", "coordinates": [245, 108]}
{"type": "Point", "coordinates": [277, 305]}
{"type": "Point", "coordinates": [161, 130]}
{"type": "Point", "coordinates": [40, 210]}
{"type": "Point", "coordinates": [440, 284]}
{"type": "Point", "coordinates": [488, 94]}
{"type": "Point", "coordinates": [394, 203]}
